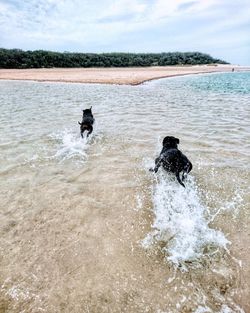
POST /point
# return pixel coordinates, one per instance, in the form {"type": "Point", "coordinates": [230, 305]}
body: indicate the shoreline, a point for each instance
{"type": "Point", "coordinates": [114, 76]}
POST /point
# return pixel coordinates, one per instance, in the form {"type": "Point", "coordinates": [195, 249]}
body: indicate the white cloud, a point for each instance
{"type": "Point", "coordinates": [123, 7]}
{"type": "Point", "coordinates": [105, 25]}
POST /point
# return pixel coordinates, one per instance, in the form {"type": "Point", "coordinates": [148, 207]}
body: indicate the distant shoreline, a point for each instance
{"type": "Point", "coordinates": [119, 76]}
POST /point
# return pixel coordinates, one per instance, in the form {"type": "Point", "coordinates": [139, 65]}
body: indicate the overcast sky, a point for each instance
{"type": "Point", "coordinates": [218, 27]}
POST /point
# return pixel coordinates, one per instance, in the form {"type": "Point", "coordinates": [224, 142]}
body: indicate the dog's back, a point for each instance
{"type": "Point", "coordinates": [88, 119]}
{"type": "Point", "coordinates": [172, 159]}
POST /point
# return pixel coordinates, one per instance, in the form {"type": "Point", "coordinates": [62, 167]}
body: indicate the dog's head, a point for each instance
{"type": "Point", "coordinates": [170, 142]}
{"type": "Point", "coordinates": [87, 111]}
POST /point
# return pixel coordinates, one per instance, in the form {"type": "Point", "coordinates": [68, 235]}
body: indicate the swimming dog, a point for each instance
{"type": "Point", "coordinates": [172, 159]}
{"type": "Point", "coordinates": [87, 121]}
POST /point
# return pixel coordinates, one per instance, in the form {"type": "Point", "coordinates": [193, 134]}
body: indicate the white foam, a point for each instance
{"type": "Point", "coordinates": [16, 293]}
{"type": "Point", "coordinates": [180, 221]}
{"type": "Point", "coordinates": [226, 309]}
{"type": "Point", "coordinates": [230, 206]}
{"type": "Point", "coordinates": [71, 145]}
{"type": "Point", "coordinates": [139, 201]}
{"type": "Point", "coordinates": [202, 309]}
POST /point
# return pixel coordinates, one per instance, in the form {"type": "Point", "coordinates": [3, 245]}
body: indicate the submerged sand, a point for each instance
{"type": "Point", "coordinates": [121, 76]}
{"type": "Point", "coordinates": [72, 230]}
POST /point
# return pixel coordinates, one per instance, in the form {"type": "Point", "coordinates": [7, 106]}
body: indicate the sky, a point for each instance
{"type": "Point", "coordinates": [218, 27]}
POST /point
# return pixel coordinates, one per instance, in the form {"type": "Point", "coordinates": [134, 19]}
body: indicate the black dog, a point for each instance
{"type": "Point", "coordinates": [172, 159]}
{"type": "Point", "coordinates": [87, 122]}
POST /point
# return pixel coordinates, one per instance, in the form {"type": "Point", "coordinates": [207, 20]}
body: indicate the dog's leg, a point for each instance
{"type": "Point", "coordinates": [187, 169]}
{"type": "Point", "coordinates": [90, 130]}
{"type": "Point", "coordinates": [190, 166]}
{"type": "Point", "coordinates": [82, 131]}
{"type": "Point", "coordinates": [157, 165]}
{"type": "Point", "coordinates": [177, 174]}
{"type": "Point", "coordinates": [85, 127]}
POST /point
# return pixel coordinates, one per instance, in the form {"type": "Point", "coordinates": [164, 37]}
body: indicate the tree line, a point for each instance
{"type": "Point", "coordinates": [16, 58]}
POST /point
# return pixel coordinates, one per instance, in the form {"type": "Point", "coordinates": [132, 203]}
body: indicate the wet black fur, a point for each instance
{"type": "Point", "coordinates": [87, 122]}
{"type": "Point", "coordinates": [172, 159]}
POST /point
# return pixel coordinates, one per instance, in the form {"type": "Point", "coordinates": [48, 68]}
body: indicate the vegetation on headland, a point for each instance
{"type": "Point", "coordinates": [16, 58]}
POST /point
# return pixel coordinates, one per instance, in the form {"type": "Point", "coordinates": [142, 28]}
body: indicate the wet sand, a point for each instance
{"type": "Point", "coordinates": [120, 76]}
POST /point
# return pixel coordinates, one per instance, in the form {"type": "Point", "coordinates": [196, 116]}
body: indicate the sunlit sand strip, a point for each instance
{"type": "Point", "coordinates": [120, 76]}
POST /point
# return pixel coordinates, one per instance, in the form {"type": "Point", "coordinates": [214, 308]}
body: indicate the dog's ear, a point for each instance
{"type": "Point", "coordinates": [177, 140]}
{"type": "Point", "coordinates": [165, 141]}
{"type": "Point", "coordinates": [91, 108]}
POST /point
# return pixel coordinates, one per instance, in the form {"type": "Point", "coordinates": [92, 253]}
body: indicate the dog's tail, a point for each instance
{"type": "Point", "coordinates": [178, 178]}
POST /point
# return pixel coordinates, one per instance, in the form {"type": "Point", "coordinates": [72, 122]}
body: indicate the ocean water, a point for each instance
{"type": "Point", "coordinates": [85, 227]}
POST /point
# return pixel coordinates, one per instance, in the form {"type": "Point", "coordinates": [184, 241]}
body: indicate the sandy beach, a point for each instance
{"type": "Point", "coordinates": [120, 76]}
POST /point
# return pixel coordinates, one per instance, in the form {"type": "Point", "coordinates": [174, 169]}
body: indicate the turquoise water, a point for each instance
{"type": "Point", "coordinates": [86, 221]}
{"type": "Point", "coordinates": [226, 83]}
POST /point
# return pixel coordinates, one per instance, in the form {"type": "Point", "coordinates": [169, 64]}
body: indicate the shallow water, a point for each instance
{"type": "Point", "coordinates": [86, 227]}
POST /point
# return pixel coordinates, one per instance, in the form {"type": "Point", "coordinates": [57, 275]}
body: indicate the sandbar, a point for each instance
{"type": "Point", "coordinates": [120, 76]}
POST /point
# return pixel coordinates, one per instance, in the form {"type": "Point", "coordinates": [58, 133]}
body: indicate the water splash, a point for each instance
{"type": "Point", "coordinates": [71, 145]}
{"type": "Point", "coordinates": [224, 309]}
{"type": "Point", "coordinates": [227, 309]}
{"type": "Point", "coordinates": [180, 222]}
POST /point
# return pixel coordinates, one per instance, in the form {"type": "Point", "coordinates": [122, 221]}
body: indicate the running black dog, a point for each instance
{"type": "Point", "coordinates": [87, 122]}
{"type": "Point", "coordinates": [172, 159]}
